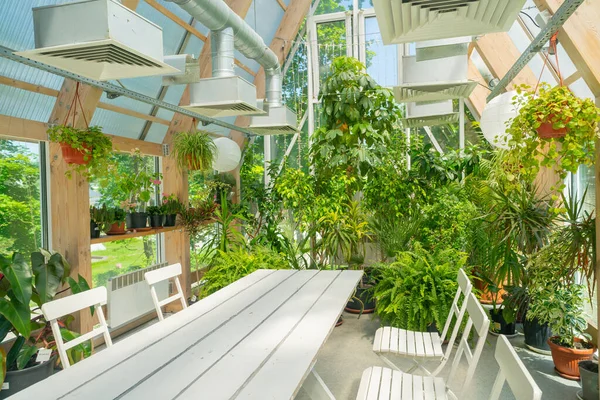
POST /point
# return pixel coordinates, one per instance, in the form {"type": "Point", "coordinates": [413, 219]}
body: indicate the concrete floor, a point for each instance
{"type": "Point", "coordinates": [348, 352]}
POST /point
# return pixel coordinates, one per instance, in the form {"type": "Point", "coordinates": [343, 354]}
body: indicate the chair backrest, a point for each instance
{"type": "Point", "coordinates": [56, 309]}
{"type": "Point", "coordinates": [160, 275]}
{"type": "Point", "coordinates": [464, 287]}
{"type": "Point", "coordinates": [479, 321]}
{"type": "Point", "coordinates": [514, 372]}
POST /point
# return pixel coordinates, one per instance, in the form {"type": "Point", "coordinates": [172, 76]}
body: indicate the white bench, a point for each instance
{"type": "Point", "coordinates": [379, 383]}
{"type": "Point", "coordinates": [425, 346]}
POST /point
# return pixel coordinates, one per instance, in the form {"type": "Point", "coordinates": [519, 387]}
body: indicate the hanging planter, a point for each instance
{"type": "Point", "coordinates": [87, 150]}
{"type": "Point", "coordinates": [194, 150]}
{"type": "Point", "coordinates": [546, 129]}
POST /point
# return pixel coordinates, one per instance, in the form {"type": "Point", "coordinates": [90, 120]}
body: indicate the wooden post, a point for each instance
{"type": "Point", "coordinates": [69, 198]}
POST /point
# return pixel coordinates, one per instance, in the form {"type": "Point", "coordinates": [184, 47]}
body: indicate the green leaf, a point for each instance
{"type": "Point", "coordinates": [81, 285]}
{"type": "Point", "coordinates": [18, 274]}
{"type": "Point", "coordinates": [2, 365]}
{"type": "Point", "coordinates": [48, 277]}
{"type": "Point", "coordinates": [5, 327]}
{"type": "Point", "coordinates": [11, 358]}
{"type": "Point", "coordinates": [27, 351]}
{"type": "Point", "coordinates": [18, 314]}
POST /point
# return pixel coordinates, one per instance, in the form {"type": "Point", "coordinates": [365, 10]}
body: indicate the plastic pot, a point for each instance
{"type": "Point", "coordinates": [566, 360]}
{"type": "Point", "coordinates": [94, 230]}
{"type": "Point", "coordinates": [118, 228]}
{"type": "Point", "coordinates": [546, 131]}
{"type": "Point", "coordinates": [170, 219]}
{"type": "Point", "coordinates": [500, 325]}
{"type": "Point", "coordinates": [73, 156]}
{"type": "Point", "coordinates": [21, 379]}
{"type": "Point", "coordinates": [156, 221]}
{"type": "Point", "coordinates": [589, 379]}
{"type": "Point", "coordinates": [365, 295]}
{"type": "Point", "coordinates": [137, 220]}
{"type": "Point", "coordinates": [536, 336]}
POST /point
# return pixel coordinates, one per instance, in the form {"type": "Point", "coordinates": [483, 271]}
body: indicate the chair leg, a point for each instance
{"type": "Point", "coordinates": [316, 388]}
{"type": "Point", "coordinates": [417, 365]}
{"type": "Point", "coordinates": [388, 362]}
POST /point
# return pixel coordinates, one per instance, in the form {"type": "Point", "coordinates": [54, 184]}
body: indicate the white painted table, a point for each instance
{"type": "Point", "coordinates": [257, 338]}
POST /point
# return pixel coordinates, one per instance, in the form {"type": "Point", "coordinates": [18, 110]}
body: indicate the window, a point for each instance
{"type": "Point", "coordinates": [20, 197]}
{"type": "Point", "coordinates": [118, 257]}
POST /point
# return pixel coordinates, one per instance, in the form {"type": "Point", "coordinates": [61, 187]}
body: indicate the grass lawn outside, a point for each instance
{"type": "Point", "coordinates": [121, 257]}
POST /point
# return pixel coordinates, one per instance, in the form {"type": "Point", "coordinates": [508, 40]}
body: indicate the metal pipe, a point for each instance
{"type": "Point", "coordinates": [216, 15]}
{"type": "Point", "coordinates": [222, 52]}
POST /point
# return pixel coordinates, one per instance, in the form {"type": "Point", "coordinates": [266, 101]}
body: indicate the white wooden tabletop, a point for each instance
{"type": "Point", "coordinates": [254, 339]}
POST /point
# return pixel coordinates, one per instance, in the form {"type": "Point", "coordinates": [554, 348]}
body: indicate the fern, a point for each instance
{"type": "Point", "coordinates": [418, 289]}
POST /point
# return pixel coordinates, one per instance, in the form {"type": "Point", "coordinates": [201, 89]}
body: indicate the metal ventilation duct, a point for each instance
{"type": "Point", "coordinates": [404, 21]}
{"type": "Point", "coordinates": [429, 114]}
{"type": "Point", "coordinates": [279, 121]}
{"type": "Point", "coordinates": [227, 27]}
{"type": "Point", "coordinates": [98, 39]}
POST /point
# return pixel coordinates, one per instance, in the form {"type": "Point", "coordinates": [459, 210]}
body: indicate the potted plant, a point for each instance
{"type": "Point", "coordinates": [194, 151]}
{"type": "Point", "coordinates": [417, 290]}
{"type": "Point", "coordinates": [589, 380]}
{"type": "Point", "coordinates": [171, 206]}
{"type": "Point", "coordinates": [157, 216]}
{"type": "Point", "coordinates": [87, 151]}
{"type": "Point", "coordinates": [555, 129]}
{"type": "Point", "coordinates": [193, 219]}
{"type": "Point", "coordinates": [138, 189]}
{"type": "Point", "coordinates": [21, 285]}
{"type": "Point", "coordinates": [100, 220]}
{"type": "Point", "coordinates": [558, 301]}
{"type": "Point", "coordinates": [116, 219]}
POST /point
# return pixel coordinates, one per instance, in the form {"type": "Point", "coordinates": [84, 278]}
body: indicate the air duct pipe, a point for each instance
{"type": "Point", "coordinates": [218, 17]}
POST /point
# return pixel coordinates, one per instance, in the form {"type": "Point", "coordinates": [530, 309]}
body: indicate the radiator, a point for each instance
{"type": "Point", "coordinates": [129, 296]}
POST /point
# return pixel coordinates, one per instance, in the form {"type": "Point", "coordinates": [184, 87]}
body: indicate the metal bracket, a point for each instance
{"type": "Point", "coordinates": [166, 150]}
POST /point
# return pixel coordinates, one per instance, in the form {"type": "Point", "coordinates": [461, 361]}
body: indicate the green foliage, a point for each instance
{"type": "Point", "coordinates": [232, 265]}
{"type": "Point", "coordinates": [21, 285]}
{"type": "Point", "coordinates": [193, 150]}
{"type": "Point", "coordinates": [20, 224]}
{"type": "Point", "coordinates": [559, 106]}
{"type": "Point", "coordinates": [359, 117]}
{"type": "Point", "coordinates": [417, 290]}
{"type": "Point", "coordinates": [171, 204]}
{"type": "Point", "coordinates": [194, 218]}
{"type": "Point", "coordinates": [156, 210]}
{"type": "Point", "coordinates": [95, 146]}
{"type": "Point", "coordinates": [102, 216]}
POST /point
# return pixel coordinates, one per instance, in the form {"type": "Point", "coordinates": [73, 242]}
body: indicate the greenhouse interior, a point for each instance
{"type": "Point", "coordinates": [370, 199]}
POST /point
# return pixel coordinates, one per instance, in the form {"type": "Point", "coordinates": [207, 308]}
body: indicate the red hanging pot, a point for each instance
{"type": "Point", "coordinates": [74, 156]}
{"type": "Point", "coordinates": [546, 130]}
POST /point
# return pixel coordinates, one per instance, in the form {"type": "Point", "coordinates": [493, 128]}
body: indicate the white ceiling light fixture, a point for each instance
{"type": "Point", "coordinates": [404, 21]}
{"type": "Point", "coordinates": [429, 114]}
{"type": "Point", "coordinates": [228, 155]}
{"type": "Point", "coordinates": [97, 39]}
{"type": "Point", "coordinates": [495, 117]}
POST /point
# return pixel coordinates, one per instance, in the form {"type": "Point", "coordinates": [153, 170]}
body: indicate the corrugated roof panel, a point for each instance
{"type": "Point", "coordinates": [23, 104]}
{"type": "Point", "coordinates": [165, 114]}
{"type": "Point", "coordinates": [156, 133]}
{"type": "Point", "coordinates": [118, 124]}
{"type": "Point", "coordinates": [127, 103]}
{"type": "Point", "coordinates": [172, 33]}
{"type": "Point", "coordinates": [522, 41]}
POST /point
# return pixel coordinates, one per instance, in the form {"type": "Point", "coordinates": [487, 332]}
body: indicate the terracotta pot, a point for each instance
{"type": "Point", "coordinates": [118, 228]}
{"type": "Point", "coordinates": [546, 131]}
{"type": "Point", "coordinates": [566, 360]}
{"type": "Point", "coordinates": [192, 164]}
{"type": "Point", "coordinates": [487, 297]}
{"type": "Point", "coordinates": [72, 156]}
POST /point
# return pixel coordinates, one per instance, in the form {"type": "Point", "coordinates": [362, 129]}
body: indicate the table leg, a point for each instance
{"type": "Point", "coordinates": [315, 387]}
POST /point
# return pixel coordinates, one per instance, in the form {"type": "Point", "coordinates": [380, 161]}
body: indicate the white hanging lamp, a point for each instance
{"type": "Point", "coordinates": [494, 118]}
{"type": "Point", "coordinates": [228, 155]}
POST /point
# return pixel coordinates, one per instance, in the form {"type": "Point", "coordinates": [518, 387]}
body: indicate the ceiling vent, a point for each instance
{"type": "Point", "coordinates": [429, 114]}
{"type": "Point", "coordinates": [404, 21]}
{"type": "Point", "coordinates": [279, 121]}
{"type": "Point", "coordinates": [434, 49]}
{"type": "Point", "coordinates": [225, 96]}
{"type": "Point", "coordinates": [188, 70]}
{"type": "Point", "coordinates": [434, 80]}
{"type": "Point", "coordinates": [97, 39]}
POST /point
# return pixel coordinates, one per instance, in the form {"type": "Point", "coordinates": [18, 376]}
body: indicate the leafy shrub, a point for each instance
{"type": "Point", "coordinates": [418, 289]}
{"type": "Point", "coordinates": [230, 266]}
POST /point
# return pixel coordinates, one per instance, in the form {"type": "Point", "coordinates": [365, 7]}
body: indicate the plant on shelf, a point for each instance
{"type": "Point", "coordinates": [228, 267]}
{"type": "Point", "coordinates": [171, 206]}
{"type": "Point", "coordinates": [116, 220]}
{"type": "Point", "coordinates": [554, 129]}
{"type": "Point", "coordinates": [416, 291]}
{"type": "Point", "coordinates": [195, 218]}
{"type": "Point", "coordinates": [558, 301]}
{"type": "Point", "coordinates": [21, 286]}
{"type": "Point", "coordinates": [157, 216]}
{"type": "Point", "coordinates": [193, 150]}
{"type": "Point", "coordinates": [87, 151]}
{"type": "Point", "coordinates": [101, 220]}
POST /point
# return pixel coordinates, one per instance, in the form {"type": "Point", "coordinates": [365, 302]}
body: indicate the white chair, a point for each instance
{"type": "Point", "coordinates": [380, 383]}
{"type": "Point", "coordinates": [425, 346]}
{"type": "Point", "coordinates": [70, 304]}
{"type": "Point", "coordinates": [163, 274]}
{"type": "Point", "coordinates": [514, 372]}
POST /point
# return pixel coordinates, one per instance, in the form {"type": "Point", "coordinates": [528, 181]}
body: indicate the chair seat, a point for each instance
{"type": "Point", "coordinates": [386, 383]}
{"type": "Point", "coordinates": [409, 343]}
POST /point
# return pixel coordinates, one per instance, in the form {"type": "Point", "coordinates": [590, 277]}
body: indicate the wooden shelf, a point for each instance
{"type": "Point", "coordinates": [129, 235]}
